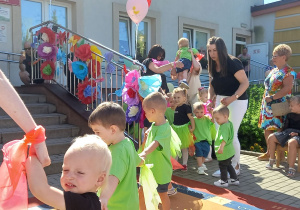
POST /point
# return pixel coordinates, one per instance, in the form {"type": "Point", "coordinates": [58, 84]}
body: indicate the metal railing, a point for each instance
{"type": "Point", "coordinates": [111, 80]}
{"type": "Point", "coordinates": [9, 59]}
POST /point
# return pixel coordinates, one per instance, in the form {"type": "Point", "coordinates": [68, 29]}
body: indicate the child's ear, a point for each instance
{"type": "Point", "coordinates": [101, 180]}
{"type": "Point", "coordinates": [114, 129]}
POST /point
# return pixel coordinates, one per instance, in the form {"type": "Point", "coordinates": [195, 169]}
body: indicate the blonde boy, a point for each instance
{"type": "Point", "coordinates": [108, 121]}
{"type": "Point", "coordinates": [224, 147]}
{"type": "Point", "coordinates": [85, 170]}
{"type": "Point", "coordinates": [157, 148]}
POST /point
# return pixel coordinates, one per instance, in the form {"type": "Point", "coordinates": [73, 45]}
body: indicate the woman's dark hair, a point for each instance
{"type": "Point", "coordinates": [222, 55]}
{"type": "Point", "coordinates": [157, 50]}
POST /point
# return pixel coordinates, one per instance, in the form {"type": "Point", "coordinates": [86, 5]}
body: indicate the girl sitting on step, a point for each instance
{"type": "Point", "coordinates": [289, 135]}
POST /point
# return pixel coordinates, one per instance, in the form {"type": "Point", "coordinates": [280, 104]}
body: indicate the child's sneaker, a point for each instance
{"type": "Point", "coordinates": [270, 163]}
{"type": "Point", "coordinates": [184, 168]}
{"type": "Point", "coordinates": [234, 181]}
{"type": "Point", "coordinates": [207, 160]}
{"type": "Point", "coordinates": [204, 167]}
{"type": "Point", "coordinates": [218, 174]}
{"type": "Point", "coordinates": [184, 84]}
{"type": "Point", "coordinates": [221, 183]}
{"type": "Point", "coordinates": [172, 191]}
{"type": "Point", "coordinates": [201, 170]}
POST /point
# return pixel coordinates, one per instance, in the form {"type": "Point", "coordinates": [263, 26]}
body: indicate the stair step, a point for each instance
{"type": "Point", "coordinates": [54, 146]}
{"type": "Point", "coordinates": [40, 119]}
{"type": "Point", "coordinates": [52, 132]}
{"type": "Point", "coordinates": [33, 98]}
{"type": "Point", "coordinates": [36, 108]}
{"type": "Point", "coordinates": [56, 164]}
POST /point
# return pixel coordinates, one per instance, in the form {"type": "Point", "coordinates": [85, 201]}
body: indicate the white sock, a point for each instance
{"type": "Point", "coordinates": [185, 156]}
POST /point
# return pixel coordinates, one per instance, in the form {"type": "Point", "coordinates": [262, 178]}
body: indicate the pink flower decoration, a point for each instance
{"type": "Point", "coordinates": [132, 79]}
{"type": "Point", "coordinates": [84, 52]}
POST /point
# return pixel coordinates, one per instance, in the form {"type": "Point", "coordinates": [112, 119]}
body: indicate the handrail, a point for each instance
{"type": "Point", "coordinates": [92, 41]}
{"type": "Point", "coordinates": [9, 53]}
{"type": "Point", "coordinates": [265, 65]}
{"type": "Point", "coordinates": [10, 61]}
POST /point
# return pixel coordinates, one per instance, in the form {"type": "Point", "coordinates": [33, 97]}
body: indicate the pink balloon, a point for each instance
{"type": "Point", "coordinates": [137, 10]}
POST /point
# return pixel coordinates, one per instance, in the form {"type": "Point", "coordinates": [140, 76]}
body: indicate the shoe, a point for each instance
{"type": "Point", "coordinates": [270, 164]}
{"type": "Point", "coordinates": [201, 171]}
{"type": "Point", "coordinates": [291, 172]}
{"type": "Point", "coordinates": [207, 160]}
{"type": "Point", "coordinates": [264, 157]}
{"type": "Point", "coordinates": [184, 168]}
{"type": "Point", "coordinates": [221, 183]}
{"type": "Point", "coordinates": [218, 174]}
{"type": "Point", "coordinates": [204, 167]}
{"type": "Point", "coordinates": [172, 191]}
{"type": "Point", "coordinates": [234, 181]}
{"type": "Point", "coordinates": [184, 84]}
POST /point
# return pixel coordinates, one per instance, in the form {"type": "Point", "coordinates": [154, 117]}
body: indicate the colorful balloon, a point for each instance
{"type": "Point", "coordinates": [137, 10]}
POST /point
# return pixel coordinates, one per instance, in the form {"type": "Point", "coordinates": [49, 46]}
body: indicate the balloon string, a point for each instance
{"type": "Point", "coordinates": [136, 38]}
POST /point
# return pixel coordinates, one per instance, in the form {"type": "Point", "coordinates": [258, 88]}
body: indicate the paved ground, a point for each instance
{"type": "Point", "coordinates": [255, 180]}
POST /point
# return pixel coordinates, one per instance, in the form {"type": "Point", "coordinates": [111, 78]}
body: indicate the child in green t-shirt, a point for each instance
{"type": "Point", "coordinates": [108, 121]}
{"type": "Point", "coordinates": [157, 148]}
{"type": "Point", "coordinates": [184, 54]}
{"type": "Point", "coordinates": [203, 135]}
{"type": "Point", "coordinates": [224, 147]}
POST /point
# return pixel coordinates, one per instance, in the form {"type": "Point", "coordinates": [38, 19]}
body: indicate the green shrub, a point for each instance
{"type": "Point", "coordinates": [249, 132]}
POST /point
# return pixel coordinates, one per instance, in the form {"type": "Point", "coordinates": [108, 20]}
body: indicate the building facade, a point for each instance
{"type": "Point", "coordinates": [107, 22]}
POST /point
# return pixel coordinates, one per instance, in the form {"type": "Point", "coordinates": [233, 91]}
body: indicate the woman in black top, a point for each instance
{"type": "Point", "coordinates": [228, 83]}
{"type": "Point", "coordinates": [158, 53]}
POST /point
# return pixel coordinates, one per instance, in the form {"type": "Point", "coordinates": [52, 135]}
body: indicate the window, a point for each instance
{"type": "Point", "coordinates": [131, 43]}
{"type": "Point", "coordinates": [37, 11]}
{"type": "Point", "coordinates": [240, 43]}
{"type": "Point", "coordinates": [187, 33]}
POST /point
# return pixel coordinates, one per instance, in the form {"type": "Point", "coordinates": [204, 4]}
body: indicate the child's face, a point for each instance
{"type": "Point", "coordinates": [199, 113]}
{"type": "Point", "coordinates": [204, 97]}
{"type": "Point", "coordinates": [172, 102]}
{"type": "Point", "coordinates": [294, 107]}
{"type": "Point", "coordinates": [79, 174]}
{"type": "Point", "coordinates": [220, 118]}
{"type": "Point", "coordinates": [179, 99]}
{"type": "Point", "coordinates": [104, 133]}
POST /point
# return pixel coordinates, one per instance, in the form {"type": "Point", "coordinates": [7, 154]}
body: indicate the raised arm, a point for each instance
{"type": "Point", "coordinates": [38, 185]}
{"type": "Point", "coordinates": [12, 104]}
{"type": "Point", "coordinates": [108, 191]}
{"type": "Point", "coordinates": [159, 70]}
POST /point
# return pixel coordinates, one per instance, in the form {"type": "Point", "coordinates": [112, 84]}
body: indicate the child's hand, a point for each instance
{"type": "Point", "coordinates": [293, 134]}
{"type": "Point", "coordinates": [191, 130]}
{"type": "Point", "coordinates": [220, 151]}
{"type": "Point", "coordinates": [103, 202]}
{"type": "Point", "coordinates": [40, 150]}
{"type": "Point", "coordinates": [143, 155]}
{"type": "Point", "coordinates": [191, 51]}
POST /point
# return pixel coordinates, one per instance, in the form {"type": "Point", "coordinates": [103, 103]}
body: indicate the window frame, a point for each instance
{"type": "Point", "coordinates": [133, 35]}
{"type": "Point", "coordinates": [129, 32]}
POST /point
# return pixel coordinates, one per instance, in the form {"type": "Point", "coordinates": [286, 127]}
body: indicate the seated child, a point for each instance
{"type": "Point", "coordinates": [224, 147]}
{"type": "Point", "coordinates": [289, 135]}
{"type": "Point", "coordinates": [203, 136]}
{"type": "Point", "coordinates": [84, 171]}
{"type": "Point", "coordinates": [184, 54]}
{"type": "Point", "coordinates": [108, 121]}
{"type": "Point", "coordinates": [157, 149]}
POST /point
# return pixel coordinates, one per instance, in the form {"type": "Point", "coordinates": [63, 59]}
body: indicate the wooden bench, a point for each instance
{"type": "Point", "coordinates": [280, 151]}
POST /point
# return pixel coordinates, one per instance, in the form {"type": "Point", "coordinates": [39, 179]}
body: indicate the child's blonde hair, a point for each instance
{"type": "Point", "coordinates": [107, 114]}
{"type": "Point", "coordinates": [295, 98]}
{"type": "Point", "coordinates": [155, 100]}
{"type": "Point", "coordinates": [93, 144]}
{"type": "Point", "coordinates": [183, 91]}
{"type": "Point", "coordinates": [221, 109]}
{"type": "Point", "coordinates": [202, 90]}
{"type": "Point", "coordinates": [198, 106]}
{"type": "Point", "coordinates": [183, 42]}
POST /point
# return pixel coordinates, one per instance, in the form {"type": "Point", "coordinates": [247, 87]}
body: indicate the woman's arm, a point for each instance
{"type": "Point", "coordinates": [287, 86]}
{"type": "Point", "coordinates": [166, 67]}
{"type": "Point", "coordinates": [211, 91]}
{"type": "Point", "coordinates": [240, 75]}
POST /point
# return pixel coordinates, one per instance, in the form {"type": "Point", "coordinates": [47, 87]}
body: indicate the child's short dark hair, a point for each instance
{"type": "Point", "coordinates": [156, 101]}
{"type": "Point", "coordinates": [107, 114]}
{"type": "Point", "coordinates": [296, 98]}
{"type": "Point", "coordinates": [198, 105]}
{"type": "Point", "coordinates": [221, 109]}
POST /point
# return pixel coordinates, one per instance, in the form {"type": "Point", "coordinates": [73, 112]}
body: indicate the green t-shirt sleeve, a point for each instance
{"type": "Point", "coordinates": [163, 136]}
{"type": "Point", "coordinates": [119, 166]}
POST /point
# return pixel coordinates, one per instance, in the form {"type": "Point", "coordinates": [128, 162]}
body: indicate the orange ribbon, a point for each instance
{"type": "Point", "coordinates": [13, 183]}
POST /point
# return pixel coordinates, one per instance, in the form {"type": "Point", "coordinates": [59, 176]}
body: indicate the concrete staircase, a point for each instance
{"type": "Point", "coordinates": [59, 134]}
